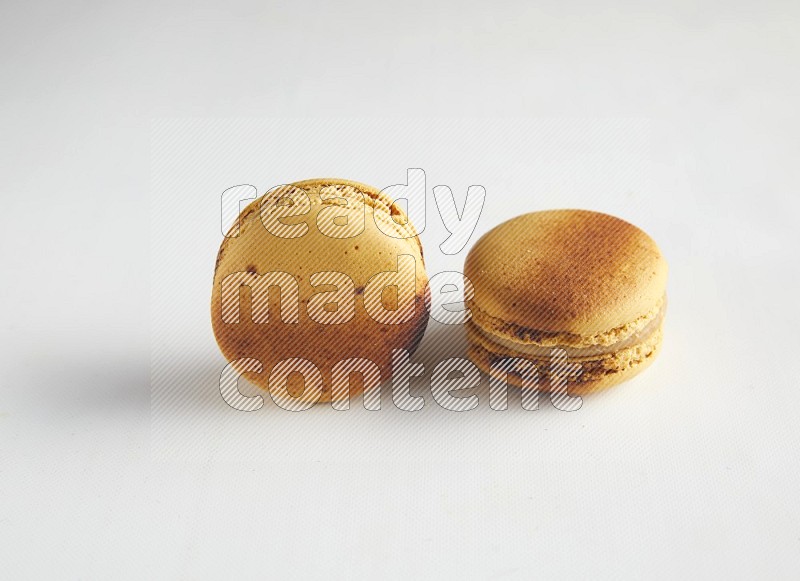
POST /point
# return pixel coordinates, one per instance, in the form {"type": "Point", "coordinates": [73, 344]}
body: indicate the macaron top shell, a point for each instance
{"type": "Point", "coordinates": [574, 273]}
{"type": "Point", "coordinates": [360, 255]}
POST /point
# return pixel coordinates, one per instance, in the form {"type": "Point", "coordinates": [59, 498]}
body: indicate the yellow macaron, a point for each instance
{"type": "Point", "coordinates": [585, 282]}
{"type": "Point", "coordinates": [351, 275]}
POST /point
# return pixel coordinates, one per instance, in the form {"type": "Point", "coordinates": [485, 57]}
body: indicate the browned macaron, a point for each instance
{"type": "Point", "coordinates": [334, 238]}
{"type": "Point", "coordinates": [585, 282]}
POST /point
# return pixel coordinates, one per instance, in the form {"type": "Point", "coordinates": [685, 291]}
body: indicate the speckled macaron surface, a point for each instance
{"type": "Point", "coordinates": [335, 238]}
{"type": "Point", "coordinates": [582, 281]}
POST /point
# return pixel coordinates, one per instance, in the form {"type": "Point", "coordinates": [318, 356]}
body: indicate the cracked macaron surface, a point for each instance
{"type": "Point", "coordinates": [582, 281]}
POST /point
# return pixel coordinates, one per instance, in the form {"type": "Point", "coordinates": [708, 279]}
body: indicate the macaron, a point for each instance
{"type": "Point", "coordinates": [319, 272]}
{"type": "Point", "coordinates": [584, 282]}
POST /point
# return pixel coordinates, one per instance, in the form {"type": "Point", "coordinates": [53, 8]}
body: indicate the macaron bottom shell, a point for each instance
{"type": "Point", "coordinates": [336, 346]}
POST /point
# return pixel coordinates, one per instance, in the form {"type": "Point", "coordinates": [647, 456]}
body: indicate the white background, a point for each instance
{"type": "Point", "coordinates": [682, 119]}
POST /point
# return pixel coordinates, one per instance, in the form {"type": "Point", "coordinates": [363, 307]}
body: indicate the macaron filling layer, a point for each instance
{"type": "Point", "coordinates": [579, 352]}
{"type": "Point", "coordinates": [521, 335]}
